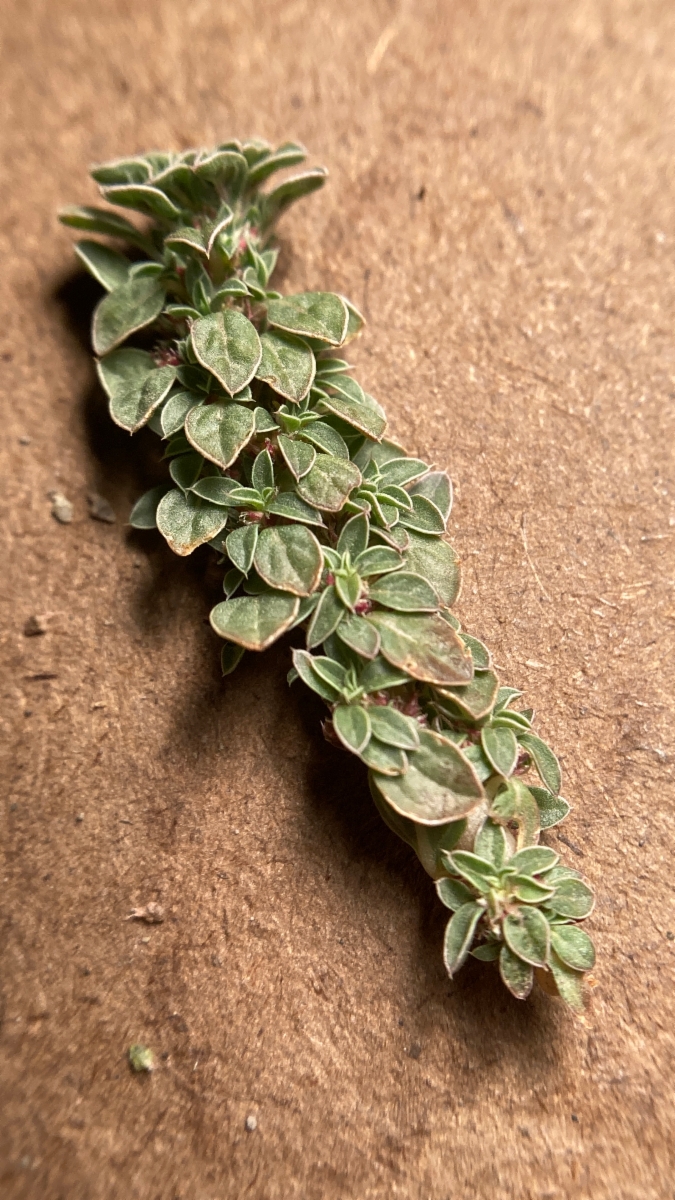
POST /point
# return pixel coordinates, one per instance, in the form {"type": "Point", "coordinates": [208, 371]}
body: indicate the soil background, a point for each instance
{"type": "Point", "coordinates": [501, 207]}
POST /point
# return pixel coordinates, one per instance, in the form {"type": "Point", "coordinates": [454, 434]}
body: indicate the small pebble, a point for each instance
{"type": "Point", "coordinates": [62, 509]}
{"type": "Point", "coordinates": [34, 626]}
{"type": "Point", "coordinates": [79, 817]}
{"type": "Point", "coordinates": [152, 914]}
{"type": "Point", "coordinates": [141, 1058]}
{"type": "Point", "coordinates": [100, 509]}
{"type": "Point", "coordinates": [24, 440]}
{"type": "Point", "coordinates": [251, 1123]}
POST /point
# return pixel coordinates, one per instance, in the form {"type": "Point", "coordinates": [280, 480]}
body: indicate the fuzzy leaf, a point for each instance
{"type": "Point", "coordinates": [144, 199]}
{"type": "Point", "coordinates": [353, 537]}
{"type": "Point", "coordinates": [352, 725]}
{"type": "Point", "coordinates": [516, 804]}
{"type": "Point", "coordinates": [262, 473]}
{"type": "Point", "coordinates": [254, 622]}
{"type": "Point", "coordinates": [572, 898]}
{"type": "Point", "coordinates": [101, 220]}
{"type": "Point", "coordinates": [529, 890]}
{"type": "Point", "coordinates": [363, 417]}
{"type": "Point", "coordinates": [568, 982]}
{"type": "Point", "coordinates": [176, 410]}
{"type": "Point", "coordinates": [482, 659]}
{"type": "Point", "coordinates": [130, 307]}
{"type": "Point", "coordinates": [319, 315]}
{"type": "Point", "coordinates": [187, 522]}
{"type": "Point", "coordinates": [220, 431]}
{"type": "Point", "coordinates": [393, 727]}
{"type": "Point", "coordinates": [500, 748]}
{"type": "Point", "coordinates": [476, 699]}
{"type": "Point", "coordinates": [377, 560]}
{"type": "Point", "coordinates": [479, 872]}
{"type": "Point", "coordinates": [424, 646]}
{"type": "Point", "coordinates": [400, 471]}
{"type": "Point", "coordinates": [185, 470]}
{"type": "Point", "coordinates": [278, 200]}
{"type": "Point", "coordinates": [325, 618]}
{"type": "Point", "coordinates": [435, 560]}
{"type": "Point", "coordinates": [298, 455]}
{"type": "Point", "coordinates": [264, 423]}
{"type": "Point", "coordinates": [326, 438]}
{"type": "Point", "coordinates": [516, 974]}
{"type": "Point", "coordinates": [107, 266]}
{"type": "Point", "coordinates": [288, 155]}
{"type": "Point", "coordinates": [289, 505]}
{"type": "Point", "coordinates": [424, 518]}
{"type": "Point", "coordinates": [289, 558]}
{"type": "Point", "coordinates": [404, 592]}
{"type": "Point", "coordinates": [379, 675]}
{"type": "Point", "coordinates": [440, 784]}
{"type": "Point", "coordinates": [329, 483]}
{"type": "Point", "coordinates": [436, 486]}
{"type": "Point", "coordinates": [490, 843]}
{"type": "Point", "coordinates": [573, 947]}
{"type": "Point", "coordinates": [135, 387]}
{"type": "Point", "coordinates": [144, 513]}
{"type": "Point", "coordinates": [216, 489]}
{"type": "Point", "coordinates": [453, 893]}
{"type": "Point", "coordinates": [459, 936]}
{"type": "Point", "coordinates": [230, 657]}
{"type": "Point", "coordinates": [487, 951]}
{"type": "Point", "coordinates": [528, 936]}
{"type": "Point", "coordinates": [544, 760]}
{"type": "Point", "coordinates": [287, 365]}
{"type": "Point", "coordinates": [227, 344]}
{"type": "Point", "coordinates": [359, 635]}
{"type": "Point", "coordinates": [241, 545]}
{"type": "Point", "coordinates": [121, 170]}
{"type": "Point", "coordinates": [304, 665]}
{"type": "Point", "coordinates": [386, 760]}
{"type": "Point", "coordinates": [552, 809]}
{"type": "Point", "coordinates": [533, 860]}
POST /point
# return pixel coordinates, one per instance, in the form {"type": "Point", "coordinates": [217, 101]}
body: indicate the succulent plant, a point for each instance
{"type": "Point", "coordinates": [279, 460]}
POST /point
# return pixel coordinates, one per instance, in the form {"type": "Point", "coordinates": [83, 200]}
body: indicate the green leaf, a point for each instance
{"type": "Point", "coordinates": [226, 169]}
{"type": "Point", "coordinates": [107, 266]}
{"type": "Point", "coordinates": [298, 455]}
{"type": "Point", "coordinates": [352, 725]}
{"type": "Point", "coordinates": [262, 473]}
{"type": "Point", "coordinates": [286, 156]}
{"type": "Point", "coordinates": [220, 431]}
{"type": "Point", "coordinates": [353, 537]}
{"type": "Point", "coordinates": [476, 699]}
{"type": "Point", "coordinates": [326, 438]}
{"type": "Point", "coordinates": [400, 471]}
{"type": "Point", "coordinates": [131, 307]}
{"type": "Point", "coordinates": [264, 423]}
{"type": "Point", "coordinates": [437, 488]}
{"type": "Point", "coordinates": [379, 675]}
{"type": "Point", "coordinates": [436, 561]}
{"type": "Point", "coordinates": [254, 622]}
{"type": "Point", "coordinates": [144, 199]}
{"type": "Point", "coordinates": [573, 947]}
{"type": "Point", "coordinates": [500, 748]}
{"type": "Point", "coordinates": [529, 890]}
{"type": "Point", "coordinates": [572, 898]}
{"type": "Point", "coordinates": [144, 513]}
{"type": "Point", "coordinates": [356, 320]}
{"type": "Point", "coordinates": [440, 784]}
{"type": "Point", "coordinates": [230, 657]}
{"type": "Point", "coordinates": [187, 238]}
{"type": "Point", "coordinates": [216, 489]}
{"type": "Point", "coordinates": [348, 587]}
{"type": "Point", "coordinates": [227, 344]}
{"type": "Point", "coordinates": [121, 170]}
{"type": "Point", "coordinates": [426, 647]}
{"type": "Point", "coordinates": [287, 365]}
{"type": "Point", "coordinates": [528, 936]}
{"type": "Point", "coordinates": [490, 843]}
{"type": "Point", "coordinates": [404, 592]}
{"type": "Point", "coordinates": [187, 522]}
{"type": "Point", "coordinates": [176, 410]}
{"type": "Point", "coordinates": [424, 518]}
{"type": "Point", "coordinates": [274, 203]}
{"type": "Point", "coordinates": [319, 315]}
{"type": "Point", "coordinates": [325, 618]}
{"type": "Point", "coordinates": [386, 760]}
{"type": "Point", "coordinates": [359, 635]}
{"type": "Point", "coordinates": [459, 936]}
{"type": "Point", "coordinates": [487, 951]}
{"type": "Point", "coordinates": [544, 760]}
{"type": "Point", "coordinates": [101, 220]}
{"type": "Point", "coordinates": [504, 698]}
{"type": "Point", "coordinates": [516, 974]}
{"type": "Point", "coordinates": [482, 659]}
{"type": "Point", "coordinates": [289, 505]}
{"type": "Point", "coordinates": [135, 387]}
{"type": "Point", "coordinates": [568, 982]}
{"type": "Point", "coordinates": [453, 893]}
{"type": "Point", "coordinates": [185, 470]}
{"type": "Point", "coordinates": [232, 580]}
{"type": "Point", "coordinates": [479, 872]}
{"type": "Point", "coordinates": [361, 416]}
{"type": "Point", "coordinates": [377, 560]}
{"type": "Point", "coordinates": [475, 756]}
{"type": "Point", "coordinates": [289, 558]}
{"type": "Point", "coordinates": [552, 809]}
{"type": "Point", "coordinates": [393, 727]}
{"type": "Point", "coordinates": [304, 665]}
{"type": "Point", "coordinates": [533, 860]}
{"type": "Point", "coordinates": [329, 483]}
{"type": "Point", "coordinates": [241, 545]}
{"type": "Point", "coordinates": [514, 803]}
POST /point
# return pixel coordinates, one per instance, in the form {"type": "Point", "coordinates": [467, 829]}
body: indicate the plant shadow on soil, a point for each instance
{"type": "Point", "coordinates": [341, 810]}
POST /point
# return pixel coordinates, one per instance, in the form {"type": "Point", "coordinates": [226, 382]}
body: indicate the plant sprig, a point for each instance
{"type": "Point", "coordinates": [278, 459]}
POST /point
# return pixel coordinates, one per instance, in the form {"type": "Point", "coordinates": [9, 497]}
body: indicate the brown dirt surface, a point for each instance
{"type": "Point", "coordinates": [501, 206]}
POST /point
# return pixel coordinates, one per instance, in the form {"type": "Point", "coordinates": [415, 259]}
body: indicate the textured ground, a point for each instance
{"type": "Point", "coordinates": [501, 205]}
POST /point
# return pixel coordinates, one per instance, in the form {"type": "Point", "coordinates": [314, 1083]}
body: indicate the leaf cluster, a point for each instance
{"type": "Point", "coordinates": [279, 460]}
